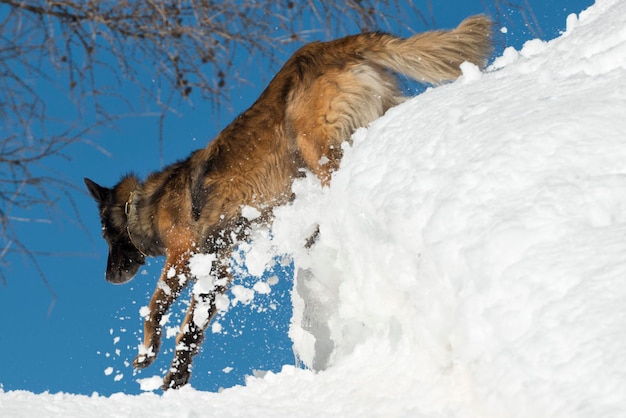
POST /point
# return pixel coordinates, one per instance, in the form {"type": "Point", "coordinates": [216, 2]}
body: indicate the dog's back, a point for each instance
{"type": "Point", "coordinates": [351, 86]}
{"type": "Point", "coordinates": [327, 90]}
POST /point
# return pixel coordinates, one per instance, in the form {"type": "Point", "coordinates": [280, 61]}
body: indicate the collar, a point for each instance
{"type": "Point", "coordinates": [128, 208]}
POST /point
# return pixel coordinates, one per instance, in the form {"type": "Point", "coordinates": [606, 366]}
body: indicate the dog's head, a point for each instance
{"type": "Point", "coordinates": [124, 258]}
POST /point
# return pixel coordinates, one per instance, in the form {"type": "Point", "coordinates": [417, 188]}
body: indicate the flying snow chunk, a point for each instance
{"type": "Point", "coordinates": [142, 350]}
{"type": "Point", "coordinates": [200, 267]}
{"type": "Point", "coordinates": [164, 319]}
{"type": "Point", "coordinates": [108, 371]}
{"type": "Point", "coordinates": [216, 327]}
{"type": "Point", "coordinates": [149, 384]}
{"type": "Point", "coordinates": [144, 312]}
{"type": "Point", "coordinates": [200, 317]}
{"type": "Point", "coordinates": [171, 272]}
{"type": "Point", "coordinates": [260, 254]}
{"type": "Point", "coordinates": [171, 332]}
{"type": "Point", "coordinates": [222, 303]}
{"type": "Point", "coordinates": [163, 286]}
{"type": "Point", "coordinates": [242, 294]}
{"type": "Point", "coordinates": [262, 288]}
{"type": "Point", "coordinates": [250, 213]}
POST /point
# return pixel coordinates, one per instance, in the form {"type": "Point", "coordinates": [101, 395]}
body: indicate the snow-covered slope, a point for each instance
{"type": "Point", "coordinates": [471, 260]}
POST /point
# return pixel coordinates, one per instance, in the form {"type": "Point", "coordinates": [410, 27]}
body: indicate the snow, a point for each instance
{"type": "Point", "coordinates": [471, 258]}
{"type": "Point", "coordinates": [250, 213]}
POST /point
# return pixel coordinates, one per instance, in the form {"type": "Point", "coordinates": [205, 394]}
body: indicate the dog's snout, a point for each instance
{"type": "Point", "coordinates": [121, 270]}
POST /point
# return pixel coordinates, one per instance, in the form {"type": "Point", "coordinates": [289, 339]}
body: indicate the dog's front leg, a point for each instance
{"type": "Point", "coordinates": [173, 279]}
{"type": "Point", "coordinates": [200, 313]}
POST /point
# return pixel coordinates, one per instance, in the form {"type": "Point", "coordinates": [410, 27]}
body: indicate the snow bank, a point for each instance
{"type": "Point", "coordinates": [471, 260]}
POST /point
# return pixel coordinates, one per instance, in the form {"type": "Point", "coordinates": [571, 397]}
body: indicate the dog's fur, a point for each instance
{"type": "Point", "coordinates": [316, 101]}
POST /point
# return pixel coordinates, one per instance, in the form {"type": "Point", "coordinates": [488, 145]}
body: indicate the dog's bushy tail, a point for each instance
{"type": "Point", "coordinates": [434, 57]}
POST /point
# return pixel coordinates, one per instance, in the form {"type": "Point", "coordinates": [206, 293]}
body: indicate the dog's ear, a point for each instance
{"type": "Point", "coordinates": [101, 194]}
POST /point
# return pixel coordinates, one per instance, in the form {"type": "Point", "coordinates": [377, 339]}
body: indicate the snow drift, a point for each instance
{"type": "Point", "coordinates": [471, 260]}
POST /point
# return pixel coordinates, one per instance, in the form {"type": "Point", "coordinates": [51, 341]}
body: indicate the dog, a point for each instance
{"type": "Point", "coordinates": [322, 94]}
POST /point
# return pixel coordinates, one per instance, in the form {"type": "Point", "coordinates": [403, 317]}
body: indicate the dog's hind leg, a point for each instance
{"type": "Point", "coordinates": [344, 100]}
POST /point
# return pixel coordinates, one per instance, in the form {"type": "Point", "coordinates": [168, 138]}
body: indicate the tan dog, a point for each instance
{"type": "Point", "coordinates": [323, 93]}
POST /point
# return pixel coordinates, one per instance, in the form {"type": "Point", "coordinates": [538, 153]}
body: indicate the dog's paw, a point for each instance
{"type": "Point", "coordinates": [176, 379]}
{"type": "Point", "coordinates": [143, 360]}
{"type": "Point", "coordinates": [146, 356]}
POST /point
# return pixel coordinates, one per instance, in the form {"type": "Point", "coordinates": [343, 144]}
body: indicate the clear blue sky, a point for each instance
{"type": "Point", "coordinates": [94, 325]}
